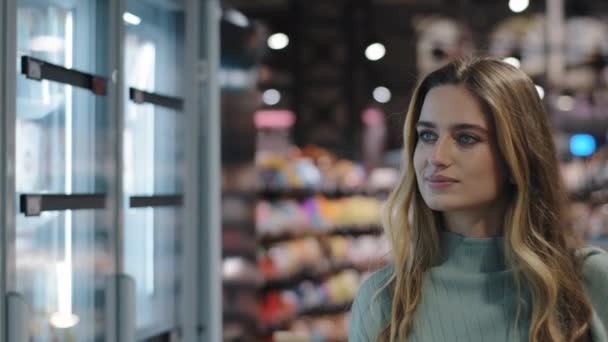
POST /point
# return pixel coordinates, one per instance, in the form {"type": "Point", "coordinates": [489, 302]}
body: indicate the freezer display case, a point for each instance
{"type": "Point", "coordinates": [153, 161]}
{"type": "Point", "coordinates": [62, 253]}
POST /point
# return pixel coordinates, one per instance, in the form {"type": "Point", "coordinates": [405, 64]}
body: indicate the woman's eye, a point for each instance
{"type": "Point", "coordinates": [427, 136]}
{"type": "Point", "coordinates": [466, 139]}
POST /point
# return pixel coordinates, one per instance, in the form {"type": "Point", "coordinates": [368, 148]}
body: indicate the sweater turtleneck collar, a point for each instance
{"type": "Point", "coordinates": [472, 254]}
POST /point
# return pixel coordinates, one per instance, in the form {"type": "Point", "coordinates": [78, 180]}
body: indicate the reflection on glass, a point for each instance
{"type": "Point", "coordinates": [152, 163]}
{"type": "Point", "coordinates": [62, 257]}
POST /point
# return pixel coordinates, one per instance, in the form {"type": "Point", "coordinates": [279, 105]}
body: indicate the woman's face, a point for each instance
{"type": "Point", "coordinates": [456, 160]}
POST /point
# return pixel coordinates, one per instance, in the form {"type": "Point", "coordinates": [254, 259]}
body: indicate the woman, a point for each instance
{"type": "Point", "coordinates": [477, 223]}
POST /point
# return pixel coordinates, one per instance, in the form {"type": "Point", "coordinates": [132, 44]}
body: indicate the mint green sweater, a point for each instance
{"type": "Point", "coordinates": [470, 296]}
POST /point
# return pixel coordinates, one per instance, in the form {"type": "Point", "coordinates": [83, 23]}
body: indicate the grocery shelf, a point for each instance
{"type": "Point", "coordinates": [269, 329]}
{"type": "Point", "coordinates": [240, 285]}
{"type": "Point", "coordinates": [239, 316]}
{"type": "Point", "coordinates": [318, 310]}
{"type": "Point", "coordinates": [293, 280]}
{"type": "Point", "coordinates": [326, 309]}
{"type": "Point", "coordinates": [318, 275]}
{"type": "Point", "coordinates": [241, 194]}
{"type": "Point", "coordinates": [302, 193]}
{"type": "Point", "coordinates": [287, 235]}
{"type": "Point", "coordinates": [238, 253]}
{"type": "Point", "coordinates": [333, 242]}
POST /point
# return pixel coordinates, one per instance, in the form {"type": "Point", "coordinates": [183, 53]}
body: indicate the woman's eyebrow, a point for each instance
{"type": "Point", "coordinates": [458, 126]}
{"type": "Point", "coordinates": [464, 126]}
{"type": "Point", "coordinates": [425, 124]}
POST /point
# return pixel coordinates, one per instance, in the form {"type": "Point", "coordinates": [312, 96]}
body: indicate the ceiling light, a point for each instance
{"type": "Point", "coordinates": [278, 41]}
{"type": "Point", "coordinates": [518, 6]}
{"type": "Point", "coordinates": [382, 94]}
{"type": "Point", "coordinates": [375, 51]}
{"type": "Point", "coordinates": [271, 97]}
{"type": "Point", "coordinates": [565, 103]}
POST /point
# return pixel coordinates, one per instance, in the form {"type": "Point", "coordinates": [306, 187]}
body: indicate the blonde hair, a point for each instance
{"type": "Point", "coordinates": [537, 236]}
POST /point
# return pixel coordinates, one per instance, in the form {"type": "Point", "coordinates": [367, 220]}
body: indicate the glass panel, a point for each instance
{"type": "Point", "coordinates": [62, 257]}
{"type": "Point", "coordinates": [152, 162]}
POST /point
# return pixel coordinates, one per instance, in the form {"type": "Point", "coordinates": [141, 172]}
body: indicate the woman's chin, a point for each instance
{"type": "Point", "coordinates": [445, 205]}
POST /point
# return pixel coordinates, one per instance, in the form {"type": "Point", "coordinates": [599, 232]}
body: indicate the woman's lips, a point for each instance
{"type": "Point", "coordinates": [439, 182]}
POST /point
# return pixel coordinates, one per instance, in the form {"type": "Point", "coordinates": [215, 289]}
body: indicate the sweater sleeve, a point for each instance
{"type": "Point", "coordinates": [595, 274]}
{"type": "Point", "coordinates": [370, 312]}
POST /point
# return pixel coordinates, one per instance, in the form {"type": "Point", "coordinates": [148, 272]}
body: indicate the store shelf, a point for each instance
{"type": "Point", "coordinates": [240, 285]}
{"type": "Point", "coordinates": [273, 194]}
{"type": "Point", "coordinates": [240, 316]}
{"type": "Point", "coordinates": [238, 253]}
{"type": "Point", "coordinates": [326, 309]}
{"type": "Point", "coordinates": [333, 246]}
{"type": "Point", "coordinates": [249, 195]}
{"type": "Point", "coordinates": [266, 240]}
{"type": "Point", "coordinates": [320, 310]}
{"type": "Point", "coordinates": [293, 280]}
{"type": "Point", "coordinates": [238, 225]}
{"type": "Point", "coordinates": [282, 325]}
{"type": "Point", "coordinates": [596, 190]}
{"type": "Point", "coordinates": [318, 275]}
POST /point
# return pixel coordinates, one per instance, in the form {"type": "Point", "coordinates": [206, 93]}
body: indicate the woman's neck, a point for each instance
{"type": "Point", "coordinates": [484, 222]}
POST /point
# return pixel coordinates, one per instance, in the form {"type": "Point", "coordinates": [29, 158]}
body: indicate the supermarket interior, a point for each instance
{"type": "Point", "coordinates": [215, 170]}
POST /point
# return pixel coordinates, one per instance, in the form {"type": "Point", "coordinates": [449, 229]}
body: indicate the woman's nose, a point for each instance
{"type": "Point", "coordinates": [440, 155]}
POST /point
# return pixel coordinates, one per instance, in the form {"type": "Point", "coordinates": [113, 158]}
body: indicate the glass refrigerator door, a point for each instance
{"type": "Point", "coordinates": [62, 251]}
{"type": "Point", "coordinates": [152, 158]}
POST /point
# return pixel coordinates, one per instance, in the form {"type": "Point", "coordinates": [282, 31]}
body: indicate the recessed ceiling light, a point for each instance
{"type": "Point", "coordinates": [375, 51]}
{"type": "Point", "coordinates": [278, 41]}
{"type": "Point", "coordinates": [382, 94]}
{"type": "Point", "coordinates": [271, 97]}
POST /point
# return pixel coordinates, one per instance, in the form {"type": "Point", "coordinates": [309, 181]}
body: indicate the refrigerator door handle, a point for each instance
{"type": "Point", "coordinates": [155, 201]}
{"type": "Point", "coordinates": [140, 97]}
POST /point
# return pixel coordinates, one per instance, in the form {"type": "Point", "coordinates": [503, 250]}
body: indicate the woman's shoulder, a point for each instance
{"type": "Point", "coordinates": [373, 293]}
{"type": "Point", "coordinates": [375, 281]}
{"type": "Point", "coordinates": [371, 307]}
{"type": "Point", "coordinates": [594, 265]}
{"type": "Point", "coordinates": [595, 279]}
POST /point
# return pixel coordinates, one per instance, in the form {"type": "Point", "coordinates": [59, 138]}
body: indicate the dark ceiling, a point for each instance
{"type": "Point", "coordinates": [323, 74]}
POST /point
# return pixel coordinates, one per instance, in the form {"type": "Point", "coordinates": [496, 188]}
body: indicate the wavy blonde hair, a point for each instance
{"type": "Point", "coordinates": [537, 234]}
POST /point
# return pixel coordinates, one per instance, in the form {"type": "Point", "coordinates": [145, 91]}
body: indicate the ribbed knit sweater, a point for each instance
{"type": "Point", "coordinates": [470, 296]}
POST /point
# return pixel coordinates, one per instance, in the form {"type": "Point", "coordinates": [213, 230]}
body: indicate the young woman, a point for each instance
{"type": "Point", "coordinates": [478, 223]}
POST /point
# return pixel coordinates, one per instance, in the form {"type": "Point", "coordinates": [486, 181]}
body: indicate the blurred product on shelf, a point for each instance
{"type": "Point", "coordinates": [291, 257]}
{"type": "Point", "coordinates": [322, 328]}
{"type": "Point", "coordinates": [286, 263]}
{"type": "Point", "coordinates": [590, 221]}
{"type": "Point", "coordinates": [236, 210]}
{"type": "Point", "coordinates": [316, 169]}
{"type": "Point", "coordinates": [239, 272]}
{"type": "Point", "coordinates": [364, 252]}
{"type": "Point", "coordinates": [298, 309]}
{"type": "Point", "coordinates": [318, 225]}
{"type": "Point", "coordinates": [584, 176]}
{"type": "Point", "coordinates": [586, 180]}
{"type": "Point", "coordinates": [316, 214]}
